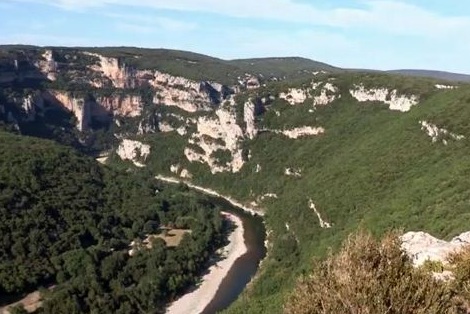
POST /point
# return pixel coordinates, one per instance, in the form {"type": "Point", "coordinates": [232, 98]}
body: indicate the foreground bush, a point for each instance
{"type": "Point", "coordinates": [372, 276]}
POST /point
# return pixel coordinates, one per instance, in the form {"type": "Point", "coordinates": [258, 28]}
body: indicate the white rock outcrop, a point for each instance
{"type": "Point", "coordinates": [301, 131]}
{"type": "Point", "coordinates": [185, 94]}
{"type": "Point", "coordinates": [29, 105]}
{"type": "Point", "coordinates": [249, 117]}
{"type": "Point", "coordinates": [217, 133]}
{"type": "Point", "coordinates": [395, 101]}
{"type": "Point", "coordinates": [175, 169]}
{"type": "Point", "coordinates": [182, 130]}
{"type": "Point", "coordinates": [134, 151]}
{"type": "Point", "coordinates": [249, 81]}
{"type": "Point", "coordinates": [185, 174]}
{"type": "Point", "coordinates": [165, 127]}
{"type": "Point", "coordinates": [323, 224]}
{"type": "Point", "coordinates": [291, 172]}
{"type": "Point", "coordinates": [171, 90]}
{"type": "Point", "coordinates": [421, 247]}
{"type": "Point", "coordinates": [436, 133]}
{"type": "Point", "coordinates": [48, 66]}
{"type": "Point", "coordinates": [328, 94]}
{"type": "Point", "coordinates": [323, 96]}
{"type": "Point", "coordinates": [268, 195]}
{"type": "Point", "coordinates": [441, 86]}
{"type": "Point", "coordinates": [295, 96]}
{"type": "Point", "coordinates": [120, 75]}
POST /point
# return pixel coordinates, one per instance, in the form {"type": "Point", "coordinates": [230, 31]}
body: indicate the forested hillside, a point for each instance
{"type": "Point", "coordinates": [67, 222]}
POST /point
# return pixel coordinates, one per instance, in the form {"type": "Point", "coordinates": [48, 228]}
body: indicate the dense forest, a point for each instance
{"type": "Point", "coordinates": [67, 222]}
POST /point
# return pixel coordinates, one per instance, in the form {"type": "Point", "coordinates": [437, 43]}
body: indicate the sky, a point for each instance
{"type": "Point", "coordinates": [374, 34]}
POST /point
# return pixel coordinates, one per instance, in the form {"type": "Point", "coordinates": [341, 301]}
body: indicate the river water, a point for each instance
{"type": "Point", "coordinates": [246, 266]}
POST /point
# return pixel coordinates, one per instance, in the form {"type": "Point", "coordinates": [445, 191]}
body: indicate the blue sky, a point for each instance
{"type": "Point", "coordinates": [379, 34]}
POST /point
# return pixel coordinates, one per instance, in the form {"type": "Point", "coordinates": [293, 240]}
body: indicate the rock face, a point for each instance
{"type": "Point", "coordinates": [249, 117]}
{"type": "Point", "coordinates": [421, 246]}
{"type": "Point", "coordinates": [323, 224]}
{"type": "Point", "coordinates": [134, 151]}
{"type": "Point", "coordinates": [249, 82]}
{"type": "Point", "coordinates": [295, 96]}
{"type": "Point", "coordinates": [220, 133]}
{"type": "Point", "coordinates": [186, 94]}
{"type": "Point", "coordinates": [395, 101]}
{"type": "Point", "coordinates": [48, 66]}
{"type": "Point", "coordinates": [148, 125]}
{"type": "Point", "coordinates": [436, 133]}
{"type": "Point", "coordinates": [30, 103]}
{"type": "Point", "coordinates": [77, 106]}
{"type": "Point", "coordinates": [441, 86]}
{"type": "Point", "coordinates": [103, 108]}
{"type": "Point", "coordinates": [120, 106]}
{"type": "Point", "coordinates": [170, 90]}
{"type": "Point", "coordinates": [293, 172]}
{"type": "Point", "coordinates": [301, 131]}
{"type": "Point", "coordinates": [328, 94]}
{"type": "Point", "coordinates": [119, 74]}
{"type": "Point", "coordinates": [323, 94]}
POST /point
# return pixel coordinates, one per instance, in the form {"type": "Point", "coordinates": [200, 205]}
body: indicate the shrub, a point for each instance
{"type": "Point", "coordinates": [460, 263]}
{"type": "Point", "coordinates": [370, 276]}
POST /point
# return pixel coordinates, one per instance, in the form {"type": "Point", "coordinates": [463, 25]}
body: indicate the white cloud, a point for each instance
{"type": "Point", "coordinates": [150, 24]}
{"type": "Point", "coordinates": [380, 15]}
{"type": "Point", "coordinates": [52, 40]}
{"type": "Point", "coordinates": [376, 34]}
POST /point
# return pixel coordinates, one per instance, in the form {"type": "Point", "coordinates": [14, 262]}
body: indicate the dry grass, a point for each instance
{"type": "Point", "coordinates": [172, 237]}
{"type": "Point", "coordinates": [368, 276]}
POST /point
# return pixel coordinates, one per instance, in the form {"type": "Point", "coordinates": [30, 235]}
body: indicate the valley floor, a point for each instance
{"type": "Point", "coordinates": [195, 301]}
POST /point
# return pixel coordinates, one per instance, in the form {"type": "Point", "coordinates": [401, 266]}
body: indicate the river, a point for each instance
{"type": "Point", "coordinates": [246, 266]}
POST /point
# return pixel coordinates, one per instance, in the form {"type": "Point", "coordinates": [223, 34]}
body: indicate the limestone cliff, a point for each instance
{"type": "Point", "coordinates": [391, 97]}
{"type": "Point", "coordinates": [170, 90]}
{"type": "Point", "coordinates": [186, 94]}
{"type": "Point", "coordinates": [218, 133]}
{"type": "Point", "coordinates": [322, 93]}
{"type": "Point", "coordinates": [134, 151]}
{"type": "Point", "coordinates": [119, 105]}
{"type": "Point", "coordinates": [79, 107]}
{"type": "Point", "coordinates": [249, 117]}
{"type": "Point", "coordinates": [30, 103]}
{"type": "Point", "coordinates": [103, 109]}
{"type": "Point", "coordinates": [47, 65]}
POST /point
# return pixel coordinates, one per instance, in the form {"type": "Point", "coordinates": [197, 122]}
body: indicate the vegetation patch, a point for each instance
{"type": "Point", "coordinates": [375, 276]}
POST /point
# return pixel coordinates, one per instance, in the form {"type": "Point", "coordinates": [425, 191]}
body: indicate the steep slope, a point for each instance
{"type": "Point", "coordinates": [392, 154]}
{"type": "Point", "coordinates": [320, 152]}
